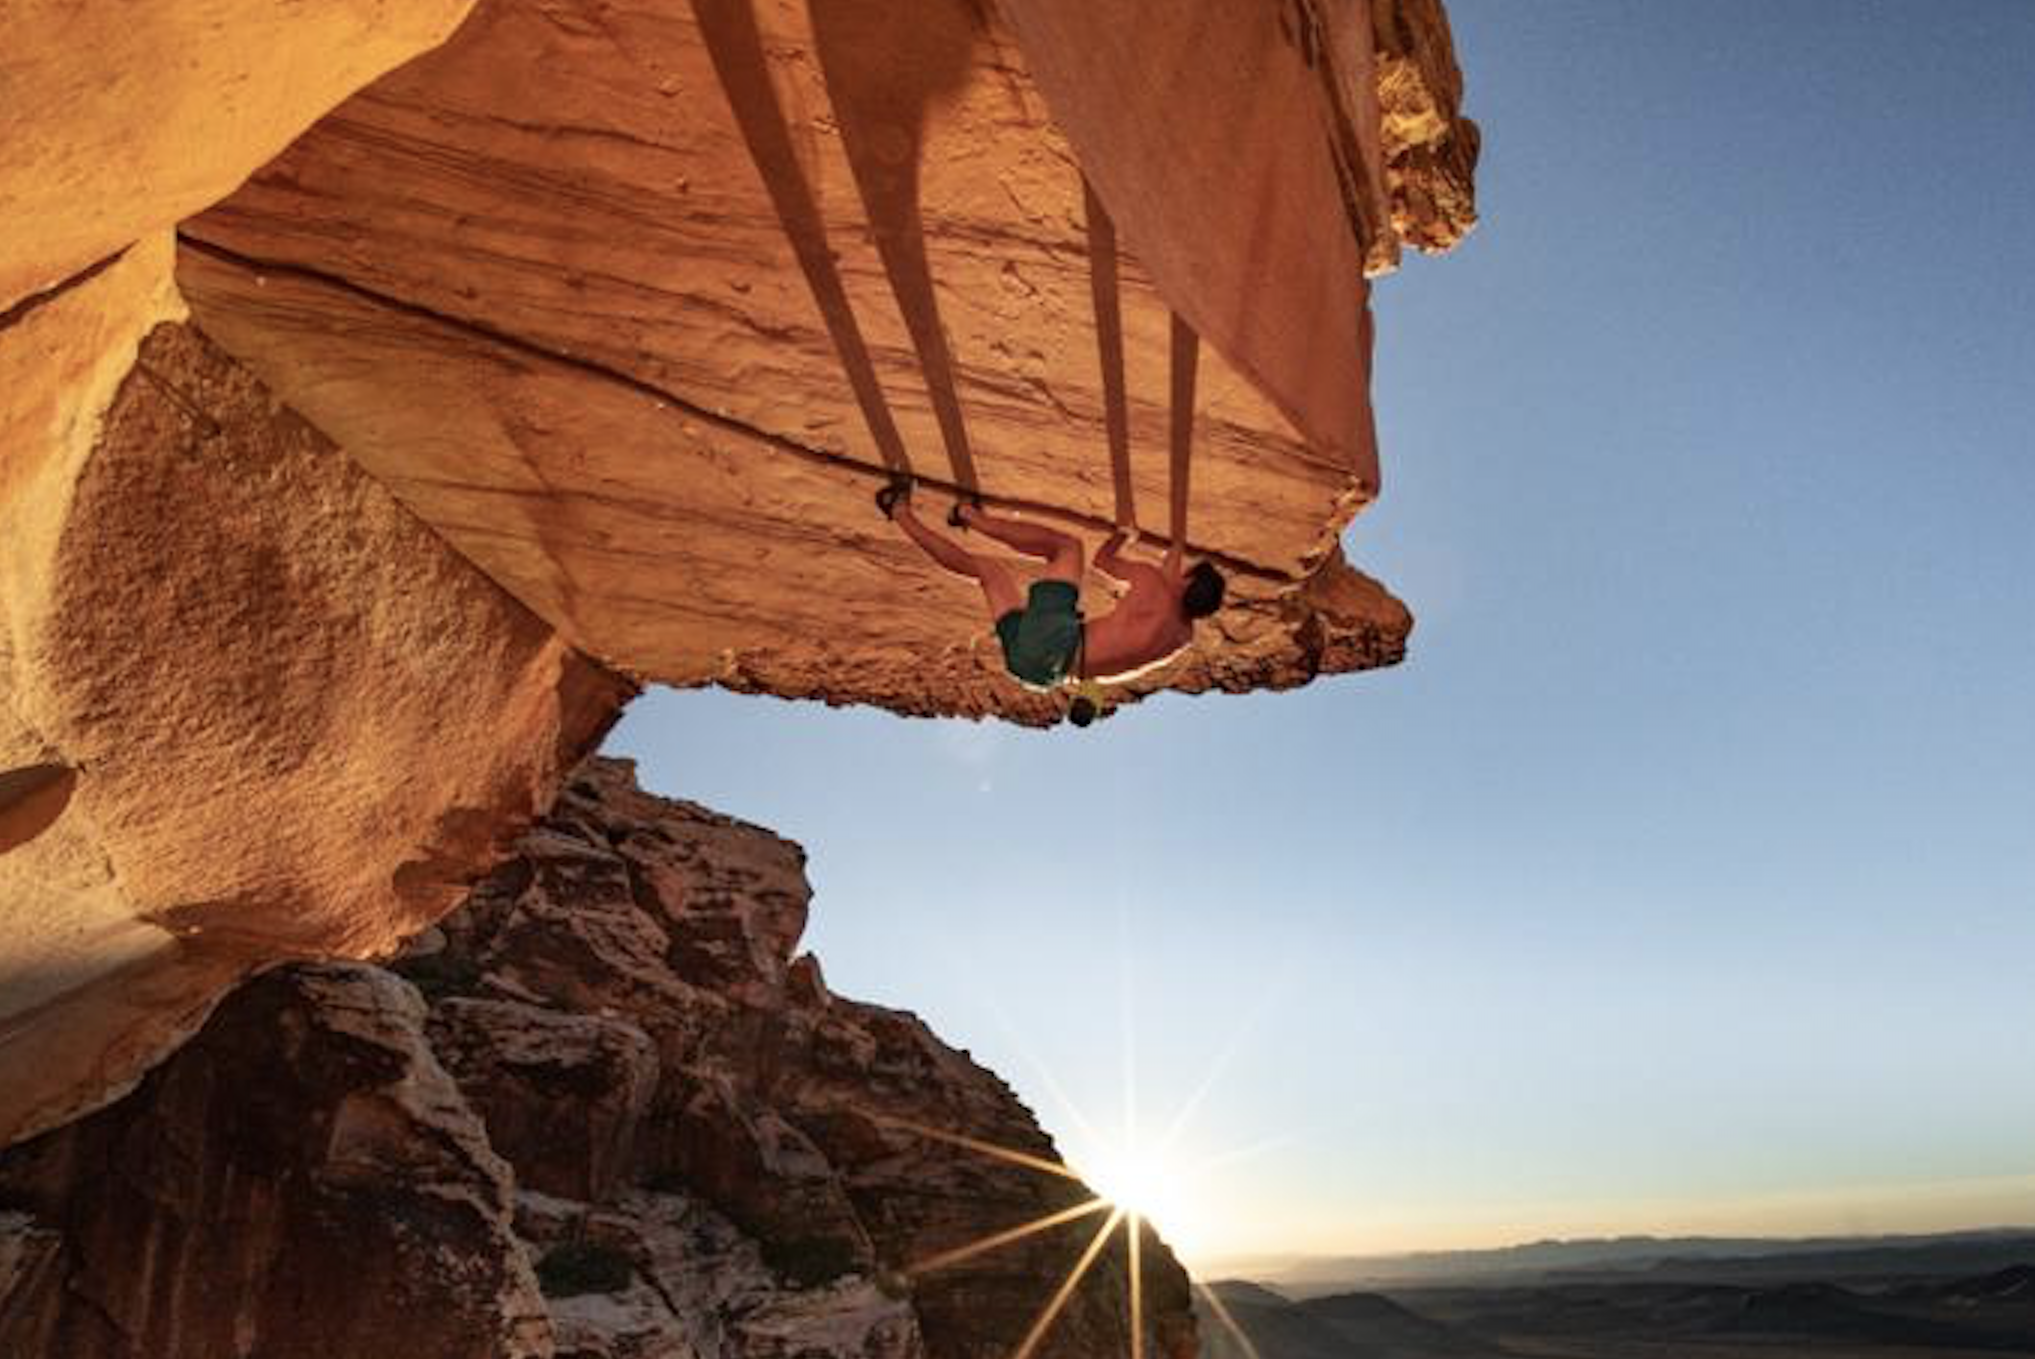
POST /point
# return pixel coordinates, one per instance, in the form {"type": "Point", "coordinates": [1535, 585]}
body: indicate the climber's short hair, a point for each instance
{"type": "Point", "coordinates": [1203, 595]}
{"type": "Point", "coordinates": [1082, 711]}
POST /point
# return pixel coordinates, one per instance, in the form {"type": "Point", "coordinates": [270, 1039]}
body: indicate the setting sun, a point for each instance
{"type": "Point", "coordinates": [1149, 1184]}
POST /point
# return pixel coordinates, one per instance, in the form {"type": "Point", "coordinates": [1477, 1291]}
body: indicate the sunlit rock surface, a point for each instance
{"type": "Point", "coordinates": [710, 1153]}
{"type": "Point", "coordinates": [250, 707]}
{"type": "Point", "coordinates": [121, 119]}
{"type": "Point", "coordinates": [1429, 148]}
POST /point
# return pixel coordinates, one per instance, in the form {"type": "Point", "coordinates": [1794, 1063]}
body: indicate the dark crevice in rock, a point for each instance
{"type": "Point", "coordinates": [34, 302]}
{"type": "Point", "coordinates": [31, 800]}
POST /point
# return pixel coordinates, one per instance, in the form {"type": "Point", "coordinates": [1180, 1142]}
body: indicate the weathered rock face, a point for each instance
{"type": "Point", "coordinates": [302, 1179]}
{"type": "Point", "coordinates": [1430, 149]}
{"type": "Point", "coordinates": [123, 119]}
{"type": "Point", "coordinates": [571, 331]}
{"type": "Point", "coordinates": [222, 648]}
{"type": "Point", "coordinates": [712, 1154]}
{"type": "Point", "coordinates": [794, 1114]}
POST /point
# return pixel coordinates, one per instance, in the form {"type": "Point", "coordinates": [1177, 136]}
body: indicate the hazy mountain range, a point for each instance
{"type": "Point", "coordinates": [1642, 1298]}
{"type": "Point", "coordinates": [1692, 1257]}
{"type": "Point", "coordinates": [1341, 1327]}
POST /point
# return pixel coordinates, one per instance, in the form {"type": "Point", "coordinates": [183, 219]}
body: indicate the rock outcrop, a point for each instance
{"type": "Point", "coordinates": [615, 1078]}
{"type": "Point", "coordinates": [303, 1178]}
{"type": "Point", "coordinates": [1430, 150]}
{"type": "Point", "coordinates": [223, 648]}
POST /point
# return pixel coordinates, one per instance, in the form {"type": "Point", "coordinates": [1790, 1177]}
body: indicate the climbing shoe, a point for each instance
{"type": "Point", "coordinates": [887, 495]}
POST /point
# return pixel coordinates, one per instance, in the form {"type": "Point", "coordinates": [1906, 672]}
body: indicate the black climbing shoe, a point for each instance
{"type": "Point", "coordinates": [892, 491]}
{"type": "Point", "coordinates": [954, 515]}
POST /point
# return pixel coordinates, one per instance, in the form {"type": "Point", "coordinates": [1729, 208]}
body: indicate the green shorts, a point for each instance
{"type": "Point", "coordinates": [1042, 641]}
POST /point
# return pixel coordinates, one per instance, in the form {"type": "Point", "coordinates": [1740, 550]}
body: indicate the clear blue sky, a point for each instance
{"type": "Point", "coordinates": [1684, 876]}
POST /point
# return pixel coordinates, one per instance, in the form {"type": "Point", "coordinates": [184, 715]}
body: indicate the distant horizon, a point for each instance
{"type": "Point", "coordinates": [1218, 1265]}
{"type": "Point", "coordinates": [1914, 1212]}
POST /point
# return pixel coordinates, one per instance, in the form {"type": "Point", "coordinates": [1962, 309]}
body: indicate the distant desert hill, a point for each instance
{"type": "Point", "coordinates": [1638, 1317]}
{"type": "Point", "coordinates": [1347, 1326]}
{"type": "Point", "coordinates": [2016, 1282]}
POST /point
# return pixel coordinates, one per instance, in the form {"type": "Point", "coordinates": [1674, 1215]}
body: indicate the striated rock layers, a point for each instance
{"type": "Point", "coordinates": [616, 1116]}
{"type": "Point", "coordinates": [620, 298]}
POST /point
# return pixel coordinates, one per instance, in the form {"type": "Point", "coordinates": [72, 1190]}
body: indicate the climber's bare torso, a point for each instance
{"type": "Point", "coordinates": [1144, 630]}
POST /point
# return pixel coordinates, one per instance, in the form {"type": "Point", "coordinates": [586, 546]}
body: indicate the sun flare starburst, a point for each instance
{"type": "Point", "coordinates": [1136, 1182]}
{"type": "Point", "coordinates": [1149, 1184]}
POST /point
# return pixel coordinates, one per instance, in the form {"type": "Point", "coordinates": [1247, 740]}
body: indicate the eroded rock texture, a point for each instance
{"type": "Point", "coordinates": [537, 282]}
{"type": "Point", "coordinates": [225, 652]}
{"type": "Point", "coordinates": [122, 119]}
{"type": "Point", "coordinates": [711, 1154]}
{"type": "Point", "coordinates": [1430, 149]}
{"type": "Point", "coordinates": [303, 1178]}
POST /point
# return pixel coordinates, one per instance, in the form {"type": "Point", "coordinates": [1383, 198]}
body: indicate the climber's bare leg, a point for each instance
{"type": "Point", "coordinates": [999, 583]}
{"type": "Point", "coordinates": [1060, 551]}
{"type": "Point", "coordinates": [938, 546]}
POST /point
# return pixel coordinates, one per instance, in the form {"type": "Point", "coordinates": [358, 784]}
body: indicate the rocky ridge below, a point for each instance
{"type": "Point", "coordinates": [605, 1110]}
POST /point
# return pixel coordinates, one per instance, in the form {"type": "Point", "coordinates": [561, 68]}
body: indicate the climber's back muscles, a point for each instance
{"type": "Point", "coordinates": [1147, 627]}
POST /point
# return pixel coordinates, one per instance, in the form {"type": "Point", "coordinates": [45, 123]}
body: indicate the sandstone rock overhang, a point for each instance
{"type": "Point", "coordinates": [546, 284]}
{"type": "Point", "coordinates": [250, 708]}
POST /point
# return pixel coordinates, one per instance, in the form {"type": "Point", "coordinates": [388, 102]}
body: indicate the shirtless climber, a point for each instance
{"type": "Point", "coordinates": [1045, 641]}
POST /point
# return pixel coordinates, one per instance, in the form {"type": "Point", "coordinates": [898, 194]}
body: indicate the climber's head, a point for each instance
{"type": "Point", "coordinates": [1201, 595]}
{"type": "Point", "coordinates": [1087, 704]}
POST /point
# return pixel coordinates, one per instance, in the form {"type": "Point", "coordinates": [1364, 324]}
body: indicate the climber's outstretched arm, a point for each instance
{"type": "Point", "coordinates": [1110, 560]}
{"type": "Point", "coordinates": [1109, 557]}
